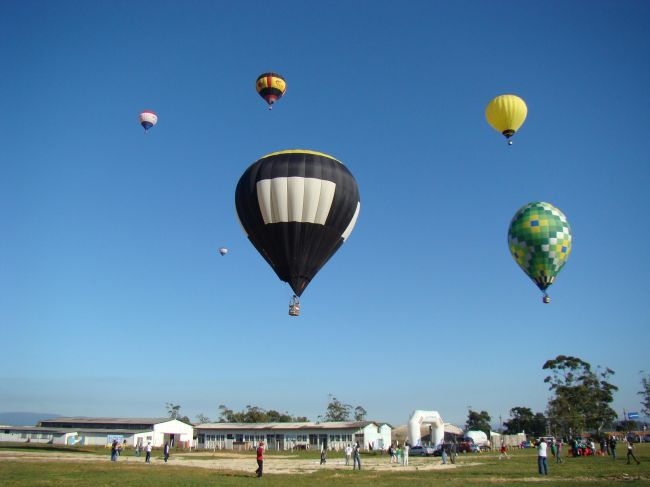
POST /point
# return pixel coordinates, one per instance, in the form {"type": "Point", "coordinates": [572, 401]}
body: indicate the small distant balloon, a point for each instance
{"type": "Point", "coordinates": [223, 250]}
{"type": "Point", "coordinates": [506, 114]}
{"type": "Point", "coordinates": [148, 119]}
{"type": "Point", "coordinates": [271, 87]}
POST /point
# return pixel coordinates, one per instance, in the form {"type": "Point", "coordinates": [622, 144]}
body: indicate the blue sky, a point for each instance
{"type": "Point", "coordinates": [114, 299]}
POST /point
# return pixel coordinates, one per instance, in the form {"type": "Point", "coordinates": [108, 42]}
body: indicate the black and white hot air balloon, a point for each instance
{"type": "Point", "coordinates": [297, 208]}
{"type": "Point", "coordinates": [223, 250]}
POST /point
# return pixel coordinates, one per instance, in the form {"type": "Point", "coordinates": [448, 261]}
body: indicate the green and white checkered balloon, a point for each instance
{"type": "Point", "coordinates": [539, 238]}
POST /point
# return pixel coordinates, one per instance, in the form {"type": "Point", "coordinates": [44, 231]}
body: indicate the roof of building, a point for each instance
{"type": "Point", "coordinates": [289, 426]}
{"type": "Point", "coordinates": [81, 420]}
{"type": "Point", "coordinates": [36, 429]}
{"type": "Point", "coordinates": [55, 430]}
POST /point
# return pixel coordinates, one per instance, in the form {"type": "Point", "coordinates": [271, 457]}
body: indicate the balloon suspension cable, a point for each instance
{"type": "Point", "coordinates": [294, 306]}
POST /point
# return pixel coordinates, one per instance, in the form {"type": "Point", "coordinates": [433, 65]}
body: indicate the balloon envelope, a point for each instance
{"type": "Point", "coordinates": [148, 119]}
{"type": "Point", "coordinates": [540, 238]}
{"type": "Point", "coordinates": [271, 87]}
{"type": "Point", "coordinates": [297, 208]}
{"type": "Point", "coordinates": [223, 250]}
{"type": "Point", "coordinates": [506, 113]}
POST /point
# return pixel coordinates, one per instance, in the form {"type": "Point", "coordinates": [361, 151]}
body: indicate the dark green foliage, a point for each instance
{"type": "Point", "coordinates": [174, 412]}
{"type": "Point", "coordinates": [255, 414]}
{"type": "Point", "coordinates": [478, 421]}
{"type": "Point", "coordinates": [645, 393]}
{"type": "Point", "coordinates": [582, 398]}
{"type": "Point", "coordinates": [359, 413]}
{"type": "Point", "coordinates": [523, 420]}
{"type": "Point", "coordinates": [338, 411]}
{"type": "Point", "coordinates": [202, 418]}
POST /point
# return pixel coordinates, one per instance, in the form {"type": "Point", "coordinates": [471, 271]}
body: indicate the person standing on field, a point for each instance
{"type": "Point", "coordinates": [453, 450]}
{"type": "Point", "coordinates": [443, 452]}
{"type": "Point", "coordinates": [405, 455]}
{"type": "Point", "coordinates": [323, 455]}
{"type": "Point", "coordinates": [612, 446]}
{"type": "Point", "coordinates": [503, 451]}
{"type": "Point", "coordinates": [357, 456]}
{"type": "Point", "coordinates": [348, 454]}
{"type": "Point", "coordinates": [542, 464]}
{"type": "Point", "coordinates": [558, 452]}
{"type": "Point", "coordinates": [260, 459]}
{"type": "Point", "coordinates": [630, 452]}
{"type": "Point", "coordinates": [114, 451]}
{"type": "Point", "coordinates": [166, 452]}
{"type": "Point", "coordinates": [147, 449]}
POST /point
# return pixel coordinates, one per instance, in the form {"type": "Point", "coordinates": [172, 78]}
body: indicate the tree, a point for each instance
{"type": "Point", "coordinates": [202, 419]}
{"type": "Point", "coordinates": [255, 414]}
{"type": "Point", "coordinates": [539, 426]}
{"type": "Point", "coordinates": [226, 415]}
{"type": "Point", "coordinates": [174, 412]}
{"type": "Point", "coordinates": [581, 397]}
{"type": "Point", "coordinates": [336, 410]}
{"type": "Point", "coordinates": [172, 409]}
{"type": "Point", "coordinates": [626, 425]}
{"type": "Point", "coordinates": [359, 413]}
{"type": "Point", "coordinates": [645, 393]}
{"type": "Point", "coordinates": [523, 420]}
{"type": "Point", "coordinates": [478, 421]}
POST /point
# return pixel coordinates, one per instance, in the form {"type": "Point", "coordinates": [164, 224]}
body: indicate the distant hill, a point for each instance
{"type": "Point", "coordinates": [25, 419]}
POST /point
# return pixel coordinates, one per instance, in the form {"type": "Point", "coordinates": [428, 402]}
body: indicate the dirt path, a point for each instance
{"type": "Point", "coordinates": [238, 462]}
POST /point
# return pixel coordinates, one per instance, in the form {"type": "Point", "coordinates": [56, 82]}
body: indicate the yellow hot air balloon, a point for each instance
{"type": "Point", "coordinates": [506, 113]}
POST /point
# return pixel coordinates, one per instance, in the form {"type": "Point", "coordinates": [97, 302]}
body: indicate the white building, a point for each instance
{"type": "Point", "coordinates": [102, 431]}
{"type": "Point", "coordinates": [287, 436]}
{"type": "Point", "coordinates": [35, 434]}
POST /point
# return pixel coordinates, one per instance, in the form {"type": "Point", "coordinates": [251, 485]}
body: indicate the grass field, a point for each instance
{"type": "Point", "coordinates": [43, 466]}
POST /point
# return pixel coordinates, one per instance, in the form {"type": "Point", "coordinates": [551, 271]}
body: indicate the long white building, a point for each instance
{"type": "Point", "coordinates": [102, 431]}
{"type": "Point", "coordinates": [286, 436]}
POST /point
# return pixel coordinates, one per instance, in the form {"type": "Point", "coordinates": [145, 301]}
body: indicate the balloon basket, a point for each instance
{"type": "Point", "coordinates": [294, 306]}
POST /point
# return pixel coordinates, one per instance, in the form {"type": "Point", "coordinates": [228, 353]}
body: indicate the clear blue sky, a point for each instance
{"type": "Point", "coordinates": [114, 300]}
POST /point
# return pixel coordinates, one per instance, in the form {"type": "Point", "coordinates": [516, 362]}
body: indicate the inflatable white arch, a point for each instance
{"type": "Point", "coordinates": [419, 417]}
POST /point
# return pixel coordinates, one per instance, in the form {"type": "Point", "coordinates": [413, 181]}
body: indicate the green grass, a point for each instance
{"type": "Point", "coordinates": [520, 470]}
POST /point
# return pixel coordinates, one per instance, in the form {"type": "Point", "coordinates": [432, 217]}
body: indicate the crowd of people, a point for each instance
{"type": "Point", "coordinates": [117, 448]}
{"type": "Point", "coordinates": [579, 447]}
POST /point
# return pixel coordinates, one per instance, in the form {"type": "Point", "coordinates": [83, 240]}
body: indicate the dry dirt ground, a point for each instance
{"type": "Point", "coordinates": [237, 462]}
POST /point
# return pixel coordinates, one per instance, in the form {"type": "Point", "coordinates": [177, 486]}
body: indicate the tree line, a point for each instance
{"type": "Point", "coordinates": [581, 399]}
{"type": "Point", "coordinates": [336, 410]}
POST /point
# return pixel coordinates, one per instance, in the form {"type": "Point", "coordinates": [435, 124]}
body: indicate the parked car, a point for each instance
{"type": "Point", "coordinates": [421, 451]}
{"type": "Point", "coordinates": [465, 447]}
